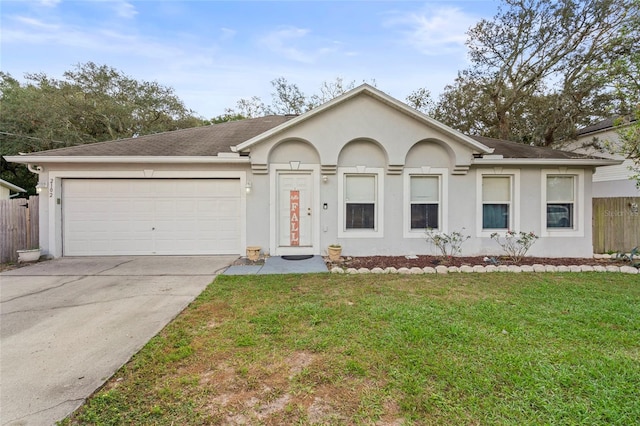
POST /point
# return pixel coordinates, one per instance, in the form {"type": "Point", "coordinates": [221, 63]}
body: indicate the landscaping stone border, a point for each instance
{"type": "Point", "coordinates": [442, 269]}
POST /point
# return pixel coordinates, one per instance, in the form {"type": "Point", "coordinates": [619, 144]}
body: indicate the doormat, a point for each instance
{"type": "Point", "coordinates": [298, 257]}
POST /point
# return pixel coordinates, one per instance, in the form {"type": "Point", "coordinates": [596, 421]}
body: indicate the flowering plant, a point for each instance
{"type": "Point", "coordinates": [515, 244]}
{"type": "Point", "coordinates": [448, 244]}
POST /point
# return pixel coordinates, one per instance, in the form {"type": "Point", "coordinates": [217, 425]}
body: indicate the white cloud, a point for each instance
{"type": "Point", "coordinates": [209, 62]}
{"type": "Point", "coordinates": [124, 9]}
{"type": "Point", "coordinates": [50, 3]}
{"type": "Point", "coordinates": [285, 41]}
{"type": "Point", "coordinates": [434, 31]}
{"type": "Point", "coordinates": [227, 33]}
{"type": "Point", "coordinates": [35, 23]}
{"type": "Point", "coordinates": [95, 40]}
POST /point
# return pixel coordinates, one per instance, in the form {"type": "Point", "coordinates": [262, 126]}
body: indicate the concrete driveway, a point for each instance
{"type": "Point", "coordinates": [67, 325]}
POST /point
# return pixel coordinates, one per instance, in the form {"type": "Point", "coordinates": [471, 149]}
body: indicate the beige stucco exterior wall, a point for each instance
{"type": "Point", "coordinates": [362, 118]}
{"type": "Point", "coordinates": [363, 135]}
{"type": "Point", "coordinates": [369, 134]}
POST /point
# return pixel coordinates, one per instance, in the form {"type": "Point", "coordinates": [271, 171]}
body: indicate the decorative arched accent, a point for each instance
{"type": "Point", "coordinates": [361, 152]}
{"type": "Point", "coordinates": [431, 152]}
{"type": "Point", "coordinates": [288, 151]}
{"type": "Point", "coordinates": [294, 149]}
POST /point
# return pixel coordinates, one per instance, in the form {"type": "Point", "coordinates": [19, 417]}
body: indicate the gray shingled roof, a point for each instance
{"type": "Point", "coordinates": [217, 138]}
{"type": "Point", "coordinates": [195, 141]}
{"type": "Point", "coordinates": [607, 123]}
{"type": "Point", "coordinates": [601, 125]}
{"type": "Point", "coordinates": [510, 149]}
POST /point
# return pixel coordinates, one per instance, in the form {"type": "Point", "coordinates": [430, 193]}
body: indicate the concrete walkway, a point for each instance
{"type": "Point", "coordinates": [67, 325]}
{"type": "Point", "coordinates": [279, 265]}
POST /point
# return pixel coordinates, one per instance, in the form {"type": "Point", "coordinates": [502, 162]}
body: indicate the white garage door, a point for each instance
{"type": "Point", "coordinates": [150, 216]}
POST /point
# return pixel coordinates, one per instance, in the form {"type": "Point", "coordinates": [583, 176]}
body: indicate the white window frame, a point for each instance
{"type": "Point", "coordinates": [578, 203]}
{"type": "Point", "coordinates": [378, 231]}
{"type": "Point", "coordinates": [443, 210]}
{"type": "Point", "coordinates": [514, 211]}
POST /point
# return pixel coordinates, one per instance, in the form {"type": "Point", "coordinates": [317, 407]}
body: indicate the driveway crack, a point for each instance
{"type": "Point", "coordinates": [80, 400]}
{"type": "Point", "coordinates": [44, 290]}
{"type": "Point", "coordinates": [113, 267]}
{"type": "Point", "coordinates": [96, 302]}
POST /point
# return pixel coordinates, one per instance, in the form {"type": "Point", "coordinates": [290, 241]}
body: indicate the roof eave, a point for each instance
{"type": "Point", "coordinates": [34, 159]}
{"type": "Point", "coordinates": [547, 161]}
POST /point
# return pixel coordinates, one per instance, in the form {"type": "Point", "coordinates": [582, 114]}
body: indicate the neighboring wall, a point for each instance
{"type": "Point", "coordinates": [608, 181]}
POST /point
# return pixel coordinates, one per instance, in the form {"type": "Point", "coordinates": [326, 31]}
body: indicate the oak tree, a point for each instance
{"type": "Point", "coordinates": [541, 68]}
{"type": "Point", "coordinates": [91, 103]}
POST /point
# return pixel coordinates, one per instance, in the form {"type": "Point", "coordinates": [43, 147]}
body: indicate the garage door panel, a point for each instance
{"type": "Point", "coordinates": [151, 216]}
{"type": "Point", "coordinates": [224, 207]}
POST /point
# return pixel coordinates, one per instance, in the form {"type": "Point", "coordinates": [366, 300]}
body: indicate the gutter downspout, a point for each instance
{"type": "Point", "coordinates": [35, 169]}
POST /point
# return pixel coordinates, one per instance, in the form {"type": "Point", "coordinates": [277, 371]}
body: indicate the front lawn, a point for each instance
{"type": "Point", "coordinates": [389, 350]}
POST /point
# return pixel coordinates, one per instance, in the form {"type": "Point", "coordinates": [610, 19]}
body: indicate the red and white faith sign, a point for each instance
{"type": "Point", "coordinates": [294, 217]}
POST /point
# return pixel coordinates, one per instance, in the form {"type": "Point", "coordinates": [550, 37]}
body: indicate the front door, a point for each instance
{"type": "Point", "coordinates": [295, 213]}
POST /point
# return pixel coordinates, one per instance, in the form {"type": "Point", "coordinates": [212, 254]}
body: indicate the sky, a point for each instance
{"type": "Point", "coordinates": [213, 53]}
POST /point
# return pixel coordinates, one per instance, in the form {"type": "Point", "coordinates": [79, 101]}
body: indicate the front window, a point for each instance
{"type": "Point", "coordinates": [496, 202]}
{"type": "Point", "coordinates": [560, 202]}
{"type": "Point", "coordinates": [360, 201]}
{"type": "Point", "coordinates": [425, 202]}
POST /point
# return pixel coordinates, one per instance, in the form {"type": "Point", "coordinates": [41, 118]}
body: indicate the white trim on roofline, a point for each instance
{"type": "Point", "coordinates": [546, 161]}
{"type": "Point", "coordinates": [377, 94]}
{"type": "Point", "coordinates": [35, 159]}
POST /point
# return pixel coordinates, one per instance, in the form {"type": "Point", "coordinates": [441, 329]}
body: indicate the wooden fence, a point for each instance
{"type": "Point", "coordinates": [18, 227]}
{"type": "Point", "coordinates": [616, 224]}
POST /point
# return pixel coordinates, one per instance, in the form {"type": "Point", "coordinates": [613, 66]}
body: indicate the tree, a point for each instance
{"type": "Point", "coordinates": [330, 90]}
{"type": "Point", "coordinates": [629, 89]}
{"type": "Point", "coordinates": [420, 99]}
{"type": "Point", "coordinates": [245, 108]}
{"type": "Point", "coordinates": [463, 105]}
{"type": "Point", "coordinates": [287, 99]}
{"type": "Point", "coordinates": [629, 133]}
{"type": "Point", "coordinates": [628, 65]}
{"type": "Point", "coordinates": [542, 67]}
{"type": "Point", "coordinates": [91, 103]}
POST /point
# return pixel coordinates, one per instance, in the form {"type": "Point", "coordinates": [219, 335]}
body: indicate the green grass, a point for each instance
{"type": "Point", "coordinates": [508, 349]}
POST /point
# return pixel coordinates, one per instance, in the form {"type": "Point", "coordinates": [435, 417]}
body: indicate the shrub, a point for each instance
{"type": "Point", "coordinates": [448, 244]}
{"type": "Point", "coordinates": [515, 244]}
{"type": "Point", "coordinates": [629, 257]}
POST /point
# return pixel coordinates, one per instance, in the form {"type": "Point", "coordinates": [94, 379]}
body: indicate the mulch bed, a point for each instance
{"type": "Point", "coordinates": [370, 262]}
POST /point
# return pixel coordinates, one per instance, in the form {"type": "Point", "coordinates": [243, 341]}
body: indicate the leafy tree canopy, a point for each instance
{"type": "Point", "coordinates": [541, 68]}
{"type": "Point", "coordinates": [91, 103]}
{"type": "Point", "coordinates": [629, 91]}
{"type": "Point", "coordinates": [287, 98]}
